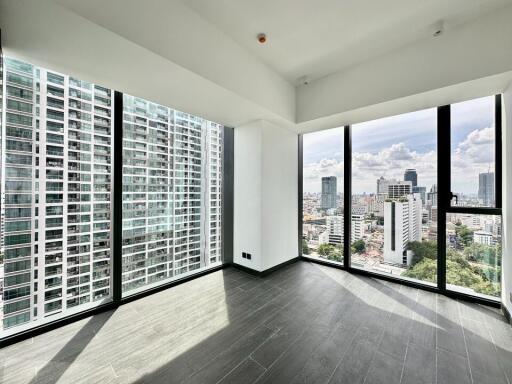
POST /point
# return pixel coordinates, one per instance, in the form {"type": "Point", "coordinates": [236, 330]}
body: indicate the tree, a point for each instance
{"type": "Point", "coordinates": [422, 250]}
{"type": "Point", "coordinates": [459, 272]}
{"type": "Point", "coordinates": [330, 252]}
{"type": "Point", "coordinates": [482, 253]}
{"type": "Point", "coordinates": [464, 234]}
{"type": "Point", "coordinates": [358, 246]}
{"type": "Point", "coordinates": [305, 248]}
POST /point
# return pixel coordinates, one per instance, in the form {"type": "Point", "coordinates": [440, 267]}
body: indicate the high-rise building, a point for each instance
{"type": "Point", "coordinates": [402, 224]}
{"type": "Point", "coordinates": [486, 188]}
{"type": "Point", "coordinates": [412, 176]}
{"type": "Point", "coordinates": [56, 194]}
{"type": "Point", "coordinates": [399, 189]}
{"type": "Point", "coordinates": [329, 192]}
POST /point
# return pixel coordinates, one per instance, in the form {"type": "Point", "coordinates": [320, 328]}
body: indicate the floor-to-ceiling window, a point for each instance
{"type": "Point", "coordinates": [473, 220]}
{"type": "Point", "coordinates": [323, 213]}
{"type": "Point", "coordinates": [172, 175]}
{"type": "Point", "coordinates": [425, 197]}
{"type": "Point", "coordinates": [56, 195]}
{"type": "Point", "coordinates": [57, 187]}
{"type": "Point", "coordinates": [394, 195]}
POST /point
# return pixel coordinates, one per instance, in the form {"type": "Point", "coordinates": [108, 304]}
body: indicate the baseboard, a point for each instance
{"type": "Point", "coordinates": [267, 271]}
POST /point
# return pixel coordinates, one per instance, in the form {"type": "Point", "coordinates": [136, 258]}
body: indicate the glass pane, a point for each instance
{"type": "Point", "coordinates": [473, 152]}
{"type": "Point", "coordinates": [323, 195]}
{"type": "Point", "coordinates": [394, 196]}
{"type": "Point", "coordinates": [56, 257]}
{"type": "Point", "coordinates": [172, 189]}
{"type": "Point", "coordinates": [473, 254]}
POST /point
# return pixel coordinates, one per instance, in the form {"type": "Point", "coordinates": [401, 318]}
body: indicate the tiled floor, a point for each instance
{"type": "Point", "coordinates": [303, 324]}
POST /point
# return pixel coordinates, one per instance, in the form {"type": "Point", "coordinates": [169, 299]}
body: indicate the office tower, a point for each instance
{"type": "Point", "coordinates": [382, 185]}
{"type": "Point", "coordinates": [335, 228]}
{"type": "Point", "coordinates": [171, 193]}
{"type": "Point", "coordinates": [399, 188]}
{"type": "Point", "coordinates": [329, 191]}
{"type": "Point", "coordinates": [422, 191]}
{"type": "Point", "coordinates": [412, 176]}
{"type": "Point", "coordinates": [56, 193]}
{"type": "Point", "coordinates": [402, 224]}
{"type": "Point", "coordinates": [486, 188]}
{"type": "Point", "coordinates": [432, 195]}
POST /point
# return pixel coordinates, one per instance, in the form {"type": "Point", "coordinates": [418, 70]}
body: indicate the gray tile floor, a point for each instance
{"type": "Point", "coordinates": [303, 324]}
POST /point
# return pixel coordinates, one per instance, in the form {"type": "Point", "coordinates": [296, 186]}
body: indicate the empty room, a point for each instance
{"type": "Point", "coordinates": [242, 191]}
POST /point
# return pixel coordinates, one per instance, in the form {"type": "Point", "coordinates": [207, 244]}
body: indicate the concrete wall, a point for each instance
{"type": "Point", "coordinates": [265, 184]}
{"type": "Point", "coordinates": [507, 199]}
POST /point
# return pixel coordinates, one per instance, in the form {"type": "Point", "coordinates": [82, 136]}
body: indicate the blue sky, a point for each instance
{"type": "Point", "coordinates": [386, 147]}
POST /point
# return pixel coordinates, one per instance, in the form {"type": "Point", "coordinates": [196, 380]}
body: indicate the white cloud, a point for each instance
{"type": "Point", "coordinates": [473, 155]}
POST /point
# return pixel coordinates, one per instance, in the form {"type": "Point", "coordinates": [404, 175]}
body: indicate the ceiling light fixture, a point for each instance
{"type": "Point", "coordinates": [262, 38]}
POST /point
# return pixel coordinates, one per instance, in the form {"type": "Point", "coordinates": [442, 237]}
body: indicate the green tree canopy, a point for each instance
{"type": "Point", "coordinates": [464, 234]}
{"type": "Point", "coordinates": [358, 246]}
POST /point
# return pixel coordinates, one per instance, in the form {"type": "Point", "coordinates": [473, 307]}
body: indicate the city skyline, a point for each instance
{"type": "Point", "coordinates": [387, 146]}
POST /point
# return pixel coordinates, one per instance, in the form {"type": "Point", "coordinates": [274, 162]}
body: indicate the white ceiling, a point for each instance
{"type": "Point", "coordinates": [316, 38]}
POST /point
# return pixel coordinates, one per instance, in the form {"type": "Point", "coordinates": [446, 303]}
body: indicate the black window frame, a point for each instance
{"type": "Point", "coordinates": [444, 205]}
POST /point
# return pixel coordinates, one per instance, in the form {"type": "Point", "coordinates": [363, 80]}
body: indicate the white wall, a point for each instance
{"type": "Point", "coordinates": [507, 198]}
{"type": "Point", "coordinates": [266, 193]}
{"type": "Point", "coordinates": [247, 195]}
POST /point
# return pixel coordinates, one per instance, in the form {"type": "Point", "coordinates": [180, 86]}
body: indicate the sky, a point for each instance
{"type": "Point", "coordinates": [387, 146]}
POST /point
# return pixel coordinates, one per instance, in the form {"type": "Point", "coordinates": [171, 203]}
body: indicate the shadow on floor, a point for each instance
{"type": "Point", "coordinates": [57, 366]}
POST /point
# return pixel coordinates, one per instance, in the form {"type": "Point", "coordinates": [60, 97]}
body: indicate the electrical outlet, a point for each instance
{"type": "Point", "coordinates": [249, 256]}
{"type": "Point", "coordinates": [244, 255]}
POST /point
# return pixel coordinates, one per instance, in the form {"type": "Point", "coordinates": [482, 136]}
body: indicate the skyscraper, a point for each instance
{"type": "Point", "coordinates": [329, 192]}
{"type": "Point", "coordinates": [402, 224]}
{"type": "Point", "coordinates": [412, 176]}
{"type": "Point", "coordinates": [486, 188]}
